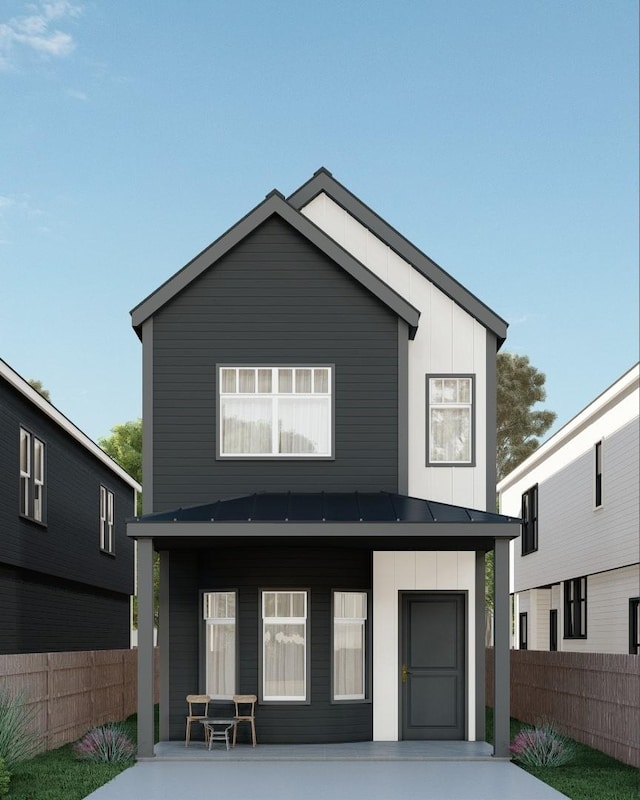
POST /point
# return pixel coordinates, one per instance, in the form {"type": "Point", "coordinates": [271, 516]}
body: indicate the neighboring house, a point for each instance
{"type": "Point", "coordinates": [319, 423]}
{"type": "Point", "coordinates": [576, 577]}
{"type": "Point", "coordinates": [66, 563]}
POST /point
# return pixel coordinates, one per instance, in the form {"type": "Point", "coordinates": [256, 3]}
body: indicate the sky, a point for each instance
{"type": "Point", "coordinates": [499, 136]}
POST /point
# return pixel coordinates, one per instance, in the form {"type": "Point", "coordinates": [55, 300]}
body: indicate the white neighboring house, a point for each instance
{"type": "Point", "coordinates": [576, 571]}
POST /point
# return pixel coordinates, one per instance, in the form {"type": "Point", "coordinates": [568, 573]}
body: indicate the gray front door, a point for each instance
{"type": "Point", "coordinates": [432, 668]}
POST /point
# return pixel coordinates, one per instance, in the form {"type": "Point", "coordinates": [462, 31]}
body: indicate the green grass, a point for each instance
{"type": "Point", "coordinates": [591, 776]}
{"type": "Point", "coordinates": [59, 775]}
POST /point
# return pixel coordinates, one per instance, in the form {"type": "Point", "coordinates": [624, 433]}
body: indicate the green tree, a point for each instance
{"type": "Point", "coordinates": [37, 385]}
{"type": "Point", "coordinates": [520, 386]}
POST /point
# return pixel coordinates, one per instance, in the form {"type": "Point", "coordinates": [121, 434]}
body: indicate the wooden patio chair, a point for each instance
{"type": "Point", "coordinates": [245, 712]}
{"type": "Point", "coordinates": [198, 710]}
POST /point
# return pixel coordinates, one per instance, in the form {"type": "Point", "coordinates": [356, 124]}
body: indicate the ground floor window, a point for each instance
{"type": "Point", "coordinates": [349, 645]}
{"type": "Point", "coordinates": [220, 619]}
{"type": "Point", "coordinates": [284, 646]}
{"type": "Point", "coordinates": [634, 625]}
{"type": "Point", "coordinates": [553, 629]}
{"type": "Point", "coordinates": [575, 608]}
{"type": "Point", "coordinates": [523, 635]}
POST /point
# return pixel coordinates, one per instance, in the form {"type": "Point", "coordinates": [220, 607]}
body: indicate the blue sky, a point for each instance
{"type": "Point", "coordinates": [501, 137]}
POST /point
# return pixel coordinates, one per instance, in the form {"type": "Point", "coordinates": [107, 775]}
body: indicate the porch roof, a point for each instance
{"type": "Point", "coordinates": [325, 514]}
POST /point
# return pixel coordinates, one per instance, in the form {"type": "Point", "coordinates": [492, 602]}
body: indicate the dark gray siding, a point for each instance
{"type": "Point", "coordinates": [67, 547]}
{"type": "Point", "coordinates": [249, 571]}
{"type": "Point", "coordinates": [274, 299]}
{"type": "Point", "coordinates": [45, 615]}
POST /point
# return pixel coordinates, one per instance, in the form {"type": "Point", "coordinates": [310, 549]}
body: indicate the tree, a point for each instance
{"type": "Point", "coordinates": [37, 385]}
{"type": "Point", "coordinates": [520, 387]}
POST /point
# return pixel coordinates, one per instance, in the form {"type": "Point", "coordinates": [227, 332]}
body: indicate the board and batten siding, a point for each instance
{"type": "Point", "coordinates": [397, 571]}
{"type": "Point", "coordinates": [274, 299]}
{"type": "Point", "coordinates": [448, 341]}
{"type": "Point", "coordinates": [248, 571]}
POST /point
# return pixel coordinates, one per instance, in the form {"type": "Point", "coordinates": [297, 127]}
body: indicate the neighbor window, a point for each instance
{"type": "Point", "coordinates": [598, 474]}
{"type": "Point", "coordinates": [275, 411]}
{"type": "Point", "coordinates": [349, 652]}
{"type": "Point", "coordinates": [284, 646]}
{"type": "Point", "coordinates": [32, 476]}
{"type": "Point", "coordinates": [450, 420]}
{"type": "Point", "coordinates": [634, 625]}
{"type": "Point", "coordinates": [575, 608]}
{"type": "Point", "coordinates": [523, 638]}
{"type": "Point", "coordinates": [220, 620]}
{"type": "Point", "coordinates": [553, 629]}
{"type": "Point", "coordinates": [106, 520]}
{"type": "Point", "coordinates": [529, 514]}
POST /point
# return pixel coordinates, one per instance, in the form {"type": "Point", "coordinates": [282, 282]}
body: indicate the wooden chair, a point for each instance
{"type": "Point", "coordinates": [197, 703]}
{"type": "Point", "coordinates": [245, 712]}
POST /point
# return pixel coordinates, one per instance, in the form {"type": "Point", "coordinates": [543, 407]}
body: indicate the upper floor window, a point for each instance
{"type": "Point", "coordinates": [598, 474]}
{"type": "Point", "coordinates": [529, 514]}
{"type": "Point", "coordinates": [220, 619]}
{"type": "Point", "coordinates": [284, 646]}
{"type": "Point", "coordinates": [349, 650]}
{"type": "Point", "coordinates": [275, 412]}
{"type": "Point", "coordinates": [107, 542]}
{"type": "Point", "coordinates": [450, 429]}
{"type": "Point", "coordinates": [575, 608]}
{"type": "Point", "coordinates": [32, 476]}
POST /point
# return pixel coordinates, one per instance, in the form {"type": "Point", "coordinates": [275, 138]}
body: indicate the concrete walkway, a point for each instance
{"type": "Point", "coordinates": [377, 771]}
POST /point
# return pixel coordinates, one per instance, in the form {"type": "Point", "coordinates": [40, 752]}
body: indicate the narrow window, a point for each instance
{"type": "Point", "coordinates": [450, 420]}
{"type": "Point", "coordinates": [220, 620]}
{"type": "Point", "coordinates": [281, 412]}
{"type": "Point", "coordinates": [529, 514]}
{"type": "Point", "coordinates": [523, 636]}
{"type": "Point", "coordinates": [575, 608]}
{"type": "Point", "coordinates": [349, 645]}
{"type": "Point", "coordinates": [553, 629]}
{"type": "Point", "coordinates": [634, 625]}
{"type": "Point", "coordinates": [598, 474]}
{"type": "Point", "coordinates": [284, 646]}
{"type": "Point", "coordinates": [107, 539]}
{"type": "Point", "coordinates": [32, 476]}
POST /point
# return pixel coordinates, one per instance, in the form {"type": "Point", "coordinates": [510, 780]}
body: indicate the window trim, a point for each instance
{"type": "Point", "coordinates": [597, 474]}
{"type": "Point", "coordinates": [205, 623]}
{"type": "Point", "coordinates": [262, 698]}
{"type": "Point", "coordinates": [107, 527]}
{"type": "Point", "coordinates": [367, 653]}
{"type": "Point", "coordinates": [472, 419]}
{"type": "Point", "coordinates": [276, 456]}
{"type": "Point", "coordinates": [27, 490]}
{"type": "Point", "coordinates": [579, 599]}
{"type": "Point", "coordinates": [523, 630]}
{"type": "Point", "coordinates": [529, 537]}
{"type": "Point", "coordinates": [634, 626]}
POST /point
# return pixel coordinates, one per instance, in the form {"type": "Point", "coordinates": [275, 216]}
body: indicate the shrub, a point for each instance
{"type": "Point", "coordinates": [108, 743]}
{"type": "Point", "coordinates": [18, 741]}
{"type": "Point", "coordinates": [542, 746]}
{"type": "Point", "coordinates": [5, 777]}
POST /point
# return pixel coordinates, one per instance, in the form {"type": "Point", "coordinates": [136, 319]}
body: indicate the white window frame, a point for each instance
{"type": "Point", "coordinates": [433, 406]}
{"type": "Point", "coordinates": [284, 620]}
{"type": "Point", "coordinates": [353, 621]}
{"type": "Point", "coordinates": [210, 601]}
{"type": "Point", "coordinates": [275, 397]}
{"type": "Point", "coordinates": [32, 476]}
{"type": "Point", "coordinates": [107, 505]}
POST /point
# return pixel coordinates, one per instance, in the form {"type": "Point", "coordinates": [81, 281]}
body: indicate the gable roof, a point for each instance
{"type": "Point", "coordinates": [274, 203]}
{"type": "Point", "coordinates": [323, 181]}
{"type": "Point", "coordinates": [47, 408]}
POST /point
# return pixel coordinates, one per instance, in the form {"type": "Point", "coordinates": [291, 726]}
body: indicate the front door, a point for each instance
{"type": "Point", "coordinates": [432, 668]}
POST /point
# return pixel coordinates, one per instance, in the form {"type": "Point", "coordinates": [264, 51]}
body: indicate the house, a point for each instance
{"type": "Point", "coordinates": [319, 455]}
{"type": "Point", "coordinates": [66, 563]}
{"type": "Point", "coordinates": [576, 584]}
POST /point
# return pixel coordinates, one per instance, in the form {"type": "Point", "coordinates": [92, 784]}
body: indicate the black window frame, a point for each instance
{"type": "Point", "coordinates": [597, 481]}
{"type": "Point", "coordinates": [553, 630]}
{"type": "Point", "coordinates": [529, 516]}
{"type": "Point", "coordinates": [634, 626]}
{"type": "Point", "coordinates": [575, 608]}
{"type": "Point", "coordinates": [523, 631]}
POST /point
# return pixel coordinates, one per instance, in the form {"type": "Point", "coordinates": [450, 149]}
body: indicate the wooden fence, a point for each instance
{"type": "Point", "coordinates": [72, 692]}
{"type": "Point", "coordinates": [592, 697]}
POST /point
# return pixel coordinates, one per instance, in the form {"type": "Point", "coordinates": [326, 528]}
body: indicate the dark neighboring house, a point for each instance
{"type": "Point", "coordinates": [319, 458]}
{"type": "Point", "coordinates": [66, 563]}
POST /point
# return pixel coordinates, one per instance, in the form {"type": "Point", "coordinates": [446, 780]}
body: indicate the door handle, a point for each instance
{"type": "Point", "coordinates": [405, 672]}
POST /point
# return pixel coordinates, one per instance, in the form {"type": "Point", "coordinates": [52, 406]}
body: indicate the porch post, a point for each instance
{"type": "Point", "coordinates": [501, 656]}
{"type": "Point", "coordinates": [480, 606]}
{"type": "Point", "coordinates": [145, 648]}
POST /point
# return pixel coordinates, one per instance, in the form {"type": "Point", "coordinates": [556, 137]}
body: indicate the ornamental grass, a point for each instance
{"type": "Point", "coordinates": [105, 744]}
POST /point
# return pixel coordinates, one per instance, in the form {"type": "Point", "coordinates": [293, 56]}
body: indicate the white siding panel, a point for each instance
{"type": "Point", "coordinates": [447, 570]}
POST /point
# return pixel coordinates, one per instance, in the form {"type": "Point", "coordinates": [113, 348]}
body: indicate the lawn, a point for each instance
{"type": "Point", "coordinates": [591, 776]}
{"type": "Point", "coordinates": [58, 775]}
